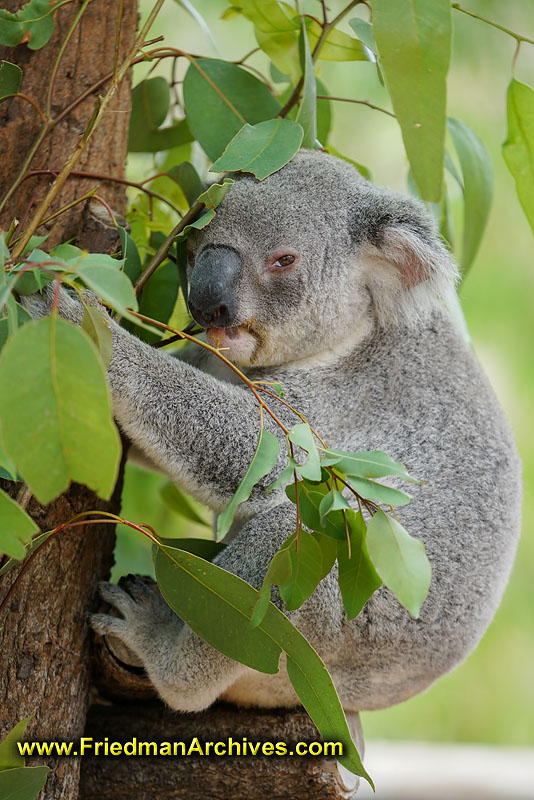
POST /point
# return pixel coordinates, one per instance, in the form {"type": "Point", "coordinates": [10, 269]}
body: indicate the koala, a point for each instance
{"type": "Point", "coordinates": [336, 289]}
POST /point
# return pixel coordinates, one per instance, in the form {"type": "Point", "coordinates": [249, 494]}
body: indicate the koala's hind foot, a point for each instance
{"type": "Point", "coordinates": [187, 672]}
{"type": "Point", "coordinates": [143, 611]}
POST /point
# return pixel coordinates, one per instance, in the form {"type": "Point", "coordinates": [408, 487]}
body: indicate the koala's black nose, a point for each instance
{"type": "Point", "coordinates": [213, 288]}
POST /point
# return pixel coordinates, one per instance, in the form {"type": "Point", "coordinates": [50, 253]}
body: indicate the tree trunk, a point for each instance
{"type": "Point", "coordinates": [44, 647]}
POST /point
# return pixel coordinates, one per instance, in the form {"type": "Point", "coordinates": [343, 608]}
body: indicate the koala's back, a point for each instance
{"type": "Point", "coordinates": [421, 396]}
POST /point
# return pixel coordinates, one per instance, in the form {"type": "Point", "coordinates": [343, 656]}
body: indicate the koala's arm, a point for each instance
{"type": "Point", "coordinates": [199, 430]}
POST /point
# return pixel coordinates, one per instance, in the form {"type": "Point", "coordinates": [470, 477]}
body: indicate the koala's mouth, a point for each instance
{"type": "Point", "coordinates": [239, 343]}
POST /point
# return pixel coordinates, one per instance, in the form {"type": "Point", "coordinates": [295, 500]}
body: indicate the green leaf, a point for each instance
{"type": "Point", "coordinates": [174, 498]}
{"type": "Point", "coordinates": [22, 783]}
{"type": "Point", "coordinates": [130, 255]}
{"type": "Point", "coordinates": [65, 252]}
{"type": "Point", "coordinates": [219, 99]}
{"type": "Point", "coordinates": [377, 491]}
{"type": "Point", "coordinates": [276, 30]}
{"type": "Point", "coordinates": [215, 193]}
{"type": "Point", "coordinates": [9, 753]}
{"type": "Point", "coordinates": [218, 607]}
{"type": "Point", "coordinates": [96, 326]}
{"type": "Point", "coordinates": [518, 149]}
{"type": "Point", "coordinates": [477, 173]}
{"type": "Point", "coordinates": [414, 43]}
{"type": "Point", "coordinates": [158, 297]}
{"type": "Point", "coordinates": [306, 570]}
{"type": "Point", "coordinates": [372, 464]}
{"type": "Point", "coordinates": [103, 275]}
{"type": "Point", "coordinates": [261, 149]}
{"type": "Point", "coordinates": [307, 113]}
{"type": "Point", "coordinates": [147, 141]}
{"type": "Point", "coordinates": [328, 547]}
{"type": "Point", "coordinates": [324, 113]}
{"type": "Point", "coordinates": [364, 32]}
{"type": "Point", "coordinates": [31, 547]}
{"type": "Point", "coordinates": [278, 572]}
{"type": "Point", "coordinates": [357, 577]}
{"type": "Point", "coordinates": [338, 46]}
{"type": "Point", "coordinates": [34, 23]}
{"type": "Point", "coordinates": [264, 459]}
{"type": "Point", "coordinates": [5, 462]}
{"type": "Point", "coordinates": [188, 180]}
{"type": "Point", "coordinates": [309, 504]}
{"type": "Point", "coordinates": [332, 501]}
{"type": "Point", "coordinates": [10, 78]}
{"type": "Point", "coordinates": [286, 475]}
{"type": "Point", "coordinates": [150, 105]}
{"type": "Point", "coordinates": [203, 548]}
{"type": "Point", "coordinates": [400, 560]}
{"type": "Point", "coordinates": [16, 527]}
{"type": "Point", "coordinates": [302, 436]}
{"type": "Point", "coordinates": [55, 410]}
{"type": "Point", "coordinates": [197, 225]}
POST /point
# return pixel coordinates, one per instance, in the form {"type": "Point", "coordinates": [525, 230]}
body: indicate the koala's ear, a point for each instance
{"type": "Point", "coordinates": [406, 266]}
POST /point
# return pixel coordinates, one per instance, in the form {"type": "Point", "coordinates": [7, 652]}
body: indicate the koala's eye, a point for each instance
{"type": "Point", "coordinates": [284, 261]}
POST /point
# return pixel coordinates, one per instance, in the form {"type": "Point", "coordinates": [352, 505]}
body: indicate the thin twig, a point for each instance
{"type": "Point", "coordinates": [517, 36]}
{"type": "Point", "coordinates": [358, 102]}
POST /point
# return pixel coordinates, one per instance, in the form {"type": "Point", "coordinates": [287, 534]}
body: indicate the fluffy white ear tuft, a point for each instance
{"type": "Point", "coordinates": [408, 273]}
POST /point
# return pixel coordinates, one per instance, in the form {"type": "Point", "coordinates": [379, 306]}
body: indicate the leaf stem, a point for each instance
{"type": "Point", "coordinates": [359, 102]}
{"type": "Point", "coordinates": [517, 36]}
{"type": "Point", "coordinates": [326, 28]}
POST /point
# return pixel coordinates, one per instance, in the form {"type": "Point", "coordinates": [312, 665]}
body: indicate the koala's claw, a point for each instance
{"type": "Point", "coordinates": [143, 610]}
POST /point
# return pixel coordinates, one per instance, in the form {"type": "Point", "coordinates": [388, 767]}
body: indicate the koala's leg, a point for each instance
{"type": "Point", "coordinates": [187, 672]}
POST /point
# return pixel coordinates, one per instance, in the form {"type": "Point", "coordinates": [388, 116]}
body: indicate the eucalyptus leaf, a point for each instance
{"type": "Point", "coordinates": [306, 570]}
{"type": "Point", "coordinates": [22, 783]}
{"type": "Point", "coordinates": [307, 113]}
{"type": "Point", "coordinates": [96, 326]}
{"type": "Point", "coordinates": [188, 180]}
{"type": "Point", "coordinates": [103, 275]}
{"type": "Point", "coordinates": [197, 225]}
{"type": "Point", "coordinates": [357, 577]}
{"type": "Point", "coordinates": [51, 370]}
{"type": "Point", "coordinates": [364, 32]}
{"type": "Point", "coordinates": [477, 174]}
{"type": "Point", "coordinates": [372, 464]}
{"type": "Point", "coordinates": [33, 23]}
{"type": "Point", "coordinates": [9, 754]}
{"type": "Point", "coordinates": [413, 38]}
{"type": "Point", "coordinates": [179, 502]}
{"type": "Point", "coordinates": [377, 491]}
{"type": "Point", "coordinates": [10, 78]}
{"type": "Point", "coordinates": [518, 149]}
{"type": "Point", "coordinates": [16, 527]}
{"type": "Point", "coordinates": [332, 501]}
{"type": "Point", "coordinates": [264, 459]}
{"type": "Point", "coordinates": [261, 149]}
{"type": "Point", "coordinates": [158, 297]}
{"type": "Point", "coordinates": [338, 45]}
{"type": "Point", "coordinates": [130, 255]}
{"type": "Point", "coordinates": [400, 560]}
{"type": "Point", "coordinates": [219, 99]}
{"type": "Point", "coordinates": [215, 193]}
{"type": "Point", "coordinates": [218, 606]}
{"type": "Point", "coordinates": [301, 435]}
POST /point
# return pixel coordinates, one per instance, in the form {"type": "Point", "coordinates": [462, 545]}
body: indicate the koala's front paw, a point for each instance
{"type": "Point", "coordinates": [40, 304]}
{"type": "Point", "coordinates": [146, 617]}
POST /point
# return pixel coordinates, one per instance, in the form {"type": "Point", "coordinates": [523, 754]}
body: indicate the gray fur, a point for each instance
{"type": "Point", "coordinates": [357, 334]}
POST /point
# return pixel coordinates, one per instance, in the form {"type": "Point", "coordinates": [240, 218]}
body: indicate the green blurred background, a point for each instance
{"type": "Point", "coordinates": [490, 698]}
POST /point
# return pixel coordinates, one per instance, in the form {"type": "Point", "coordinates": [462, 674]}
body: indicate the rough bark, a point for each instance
{"type": "Point", "coordinates": [44, 647]}
{"type": "Point", "coordinates": [88, 57]}
{"type": "Point", "coordinates": [199, 777]}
